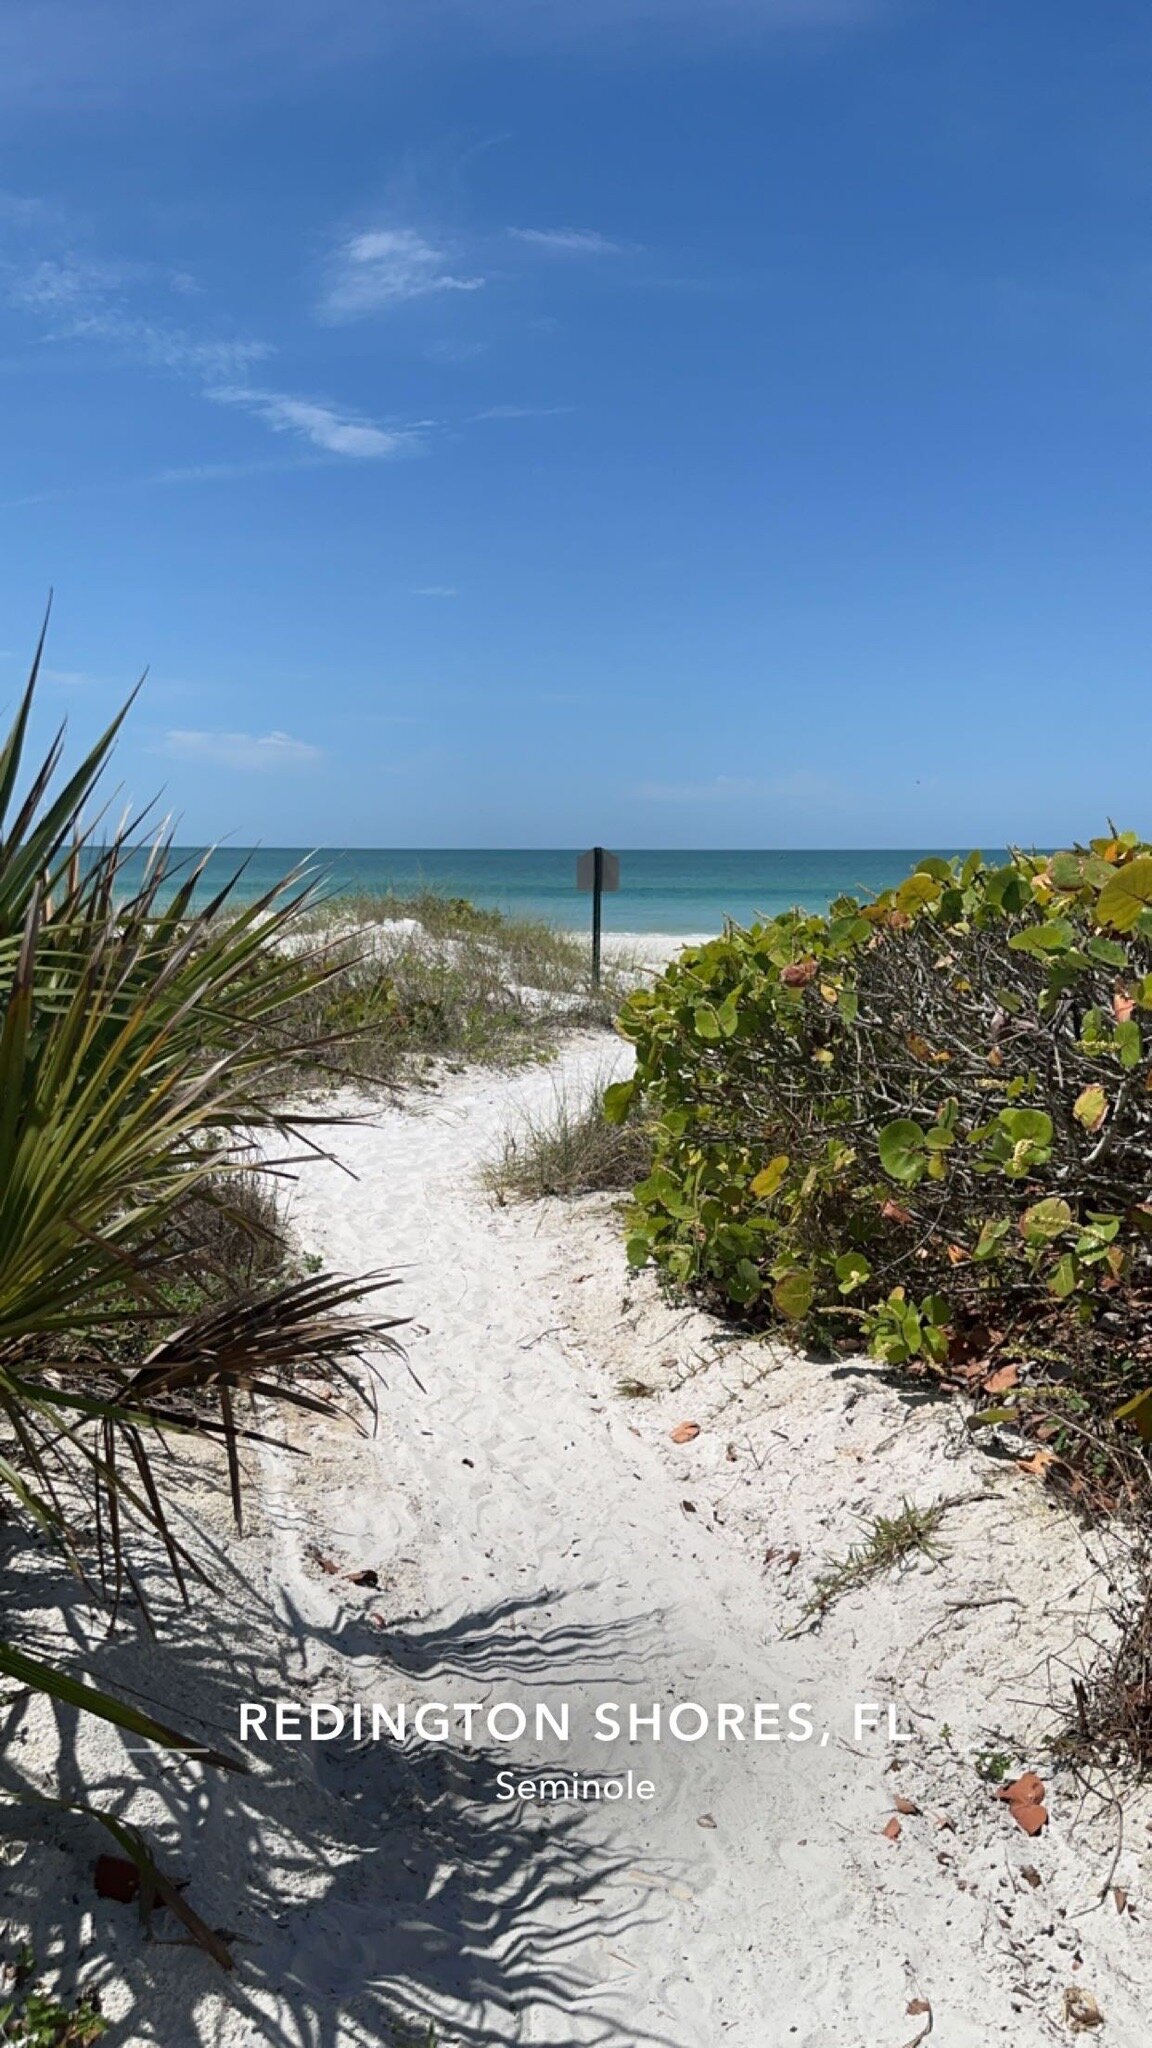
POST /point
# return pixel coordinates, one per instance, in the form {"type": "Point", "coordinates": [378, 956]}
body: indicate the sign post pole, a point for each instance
{"type": "Point", "coordinates": [597, 893]}
{"type": "Point", "coordinates": [596, 871]}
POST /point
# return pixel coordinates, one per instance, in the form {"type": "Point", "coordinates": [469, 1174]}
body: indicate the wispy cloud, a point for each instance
{"type": "Point", "coordinates": [381, 267]}
{"type": "Point", "coordinates": [223, 472]}
{"type": "Point", "coordinates": [435, 590]}
{"type": "Point", "coordinates": [186, 473]}
{"type": "Point", "coordinates": [572, 242]}
{"type": "Point", "coordinates": [336, 432]}
{"type": "Point", "coordinates": [521, 412]}
{"type": "Point", "coordinates": [82, 299]}
{"type": "Point", "coordinates": [263, 753]}
{"type": "Point", "coordinates": [24, 210]}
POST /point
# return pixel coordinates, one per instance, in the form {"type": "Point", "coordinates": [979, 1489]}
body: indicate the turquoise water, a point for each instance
{"type": "Point", "coordinates": [659, 892]}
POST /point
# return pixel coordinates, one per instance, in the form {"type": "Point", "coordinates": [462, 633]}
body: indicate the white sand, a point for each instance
{"type": "Point", "coordinates": [380, 937]}
{"type": "Point", "coordinates": [651, 949]}
{"type": "Point", "coordinates": [537, 1535]}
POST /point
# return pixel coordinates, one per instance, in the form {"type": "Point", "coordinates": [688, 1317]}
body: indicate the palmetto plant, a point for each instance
{"type": "Point", "coordinates": [136, 1039]}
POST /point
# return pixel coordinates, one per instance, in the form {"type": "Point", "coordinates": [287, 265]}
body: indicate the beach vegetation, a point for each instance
{"type": "Point", "coordinates": [33, 2017]}
{"type": "Point", "coordinates": [147, 1301]}
{"type": "Point", "coordinates": [1111, 1718]}
{"type": "Point", "coordinates": [570, 1148]}
{"type": "Point", "coordinates": [923, 1125]}
{"type": "Point", "coordinates": [426, 983]}
{"type": "Point", "coordinates": [888, 1541]}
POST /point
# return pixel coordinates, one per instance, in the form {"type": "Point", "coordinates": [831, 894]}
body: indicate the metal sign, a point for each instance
{"type": "Point", "coordinates": [597, 870]}
{"type": "Point", "coordinates": [586, 869]}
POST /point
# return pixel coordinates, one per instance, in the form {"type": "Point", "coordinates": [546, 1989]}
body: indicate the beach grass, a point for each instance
{"type": "Point", "coordinates": [428, 980]}
{"type": "Point", "coordinates": [888, 1541]}
{"type": "Point", "coordinates": [570, 1149]}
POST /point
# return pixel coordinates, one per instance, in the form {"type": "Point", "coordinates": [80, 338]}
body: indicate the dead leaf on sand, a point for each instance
{"type": "Point", "coordinates": [684, 1432]}
{"type": "Point", "coordinates": [1037, 1464]}
{"type": "Point", "coordinates": [1001, 1382]}
{"type": "Point", "coordinates": [1030, 1818]}
{"type": "Point", "coordinates": [903, 1805]}
{"type": "Point", "coordinates": [892, 1829]}
{"type": "Point", "coordinates": [1081, 2010]}
{"type": "Point", "coordinates": [918, 2007]}
{"type": "Point", "coordinates": [1024, 1798]}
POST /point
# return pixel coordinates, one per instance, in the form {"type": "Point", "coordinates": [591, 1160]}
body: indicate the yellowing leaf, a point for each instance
{"type": "Point", "coordinates": [1090, 1107]}
{"type": "Point", "coordinates": [1045, 1219]}
{"type": "Point", "coordinates": [770, 1177]}
{"type": "Point", "coordinates": [1129, 891]}
{"type": "Point", "coordinates": [1138, 1411]}
{"type": "Point", "coordinates": [793, 1294]}
{"type": "Point", "coordinates": [918, 890]}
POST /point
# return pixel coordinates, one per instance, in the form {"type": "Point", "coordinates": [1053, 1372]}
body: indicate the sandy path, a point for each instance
{"type": "Point", "coordinates": [553, 1550]}
{"type": "Point", "coordinates": [539, 1538]}
{"type": "Point", "coordinates": [547, 1533]}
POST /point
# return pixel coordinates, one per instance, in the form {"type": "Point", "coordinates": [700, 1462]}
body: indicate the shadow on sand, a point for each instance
{"type": "Point", "coordinates": [372, 1893]}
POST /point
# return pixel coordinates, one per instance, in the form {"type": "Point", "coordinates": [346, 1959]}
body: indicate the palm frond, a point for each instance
{"type": "Point", "coordinates": [137, 1030]}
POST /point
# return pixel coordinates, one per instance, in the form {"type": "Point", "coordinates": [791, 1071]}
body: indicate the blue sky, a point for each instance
{"type": "Point", "coordinates": [522, 422]}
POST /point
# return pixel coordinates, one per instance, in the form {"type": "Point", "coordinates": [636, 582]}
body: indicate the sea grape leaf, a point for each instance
{"type": "Point", "coordinates": [1090, 1107]}
{"type": "Point", "coordinates": [794, 1292]}
{"type": "Point", "coordinates": [1045, 1220]}
{"type": "Point", "coordinates": [1129, 1044]}
{"type": "Point", "coordinates": [1064, 1277]}
{"type": "Point", "coordinates": [618, 1101]}
{"type": "Point", "coordinates": [1127, 892]}
{"type": "Point", "coordinates": [903, 1151]}
{"type": "Point", "coordinates": [852, 1269]}
{"type": "Point", "coordinates": [1027, 1126]}
{"type": "Point", "coordinates": [919, 889]}
{"type": "Point", "coordinates": [770, 1177]}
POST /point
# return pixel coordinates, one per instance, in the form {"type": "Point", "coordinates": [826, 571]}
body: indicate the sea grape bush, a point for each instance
{"type": "Point", "coordinates": [913, 1118]}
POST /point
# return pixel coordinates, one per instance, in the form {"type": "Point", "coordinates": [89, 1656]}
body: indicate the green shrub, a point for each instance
{"type": "Point", "coordinates": [922, 1121]}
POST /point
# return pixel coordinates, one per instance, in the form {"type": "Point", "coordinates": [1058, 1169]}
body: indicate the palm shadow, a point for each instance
{"type": "Point", "coordinates": [371, 1891]}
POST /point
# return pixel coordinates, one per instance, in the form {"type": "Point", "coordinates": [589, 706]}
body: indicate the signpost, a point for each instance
{"type": "Point", "coordinates": [597, 870]}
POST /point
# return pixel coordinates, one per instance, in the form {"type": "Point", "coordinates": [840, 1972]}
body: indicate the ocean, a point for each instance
{"type": "Point", "coordinates": [675, 892]}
